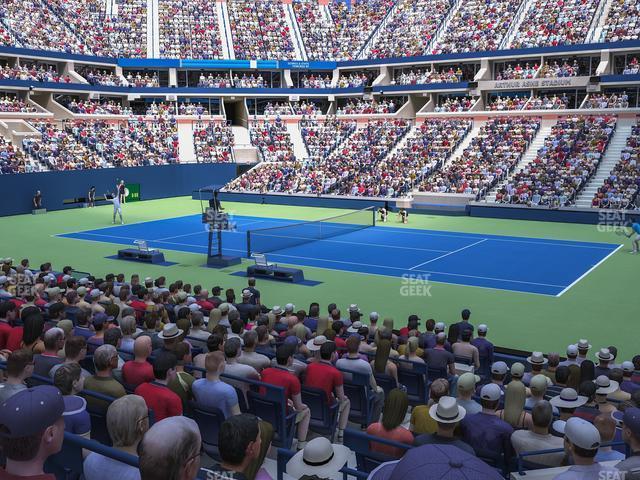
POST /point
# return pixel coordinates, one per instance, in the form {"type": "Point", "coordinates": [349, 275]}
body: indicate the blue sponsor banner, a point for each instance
{"type": "Point", "coordinates": [148, 63]}
{"type": "Point", "coordinates": [215, 64]}
{"type": "Point", "coordinates": [57, 55]}
{"type": "Point", "coordinates": [302, 65]}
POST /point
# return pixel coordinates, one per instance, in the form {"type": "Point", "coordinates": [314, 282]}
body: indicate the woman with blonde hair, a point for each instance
{"type": "Point", "coordinates": [214, 318]}
{"type": "Point", "coordinates": [381, 363]}
{"type": "Point", "coordinates": [513, 413]}
{"type": "Point", "coordinates": [411, 351]}
{"type": "Point", "coordinates": [127, 422]}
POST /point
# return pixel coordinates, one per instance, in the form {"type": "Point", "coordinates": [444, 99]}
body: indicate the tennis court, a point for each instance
{"type": "Point", "coordinates": [528, 265]}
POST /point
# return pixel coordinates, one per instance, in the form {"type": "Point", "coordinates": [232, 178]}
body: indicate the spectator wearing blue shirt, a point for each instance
{"type": "Point", "coordinates": [127, 422]}
{"type": "Point", "coordinates": [311, 320]}
{"type": "Point", "coordinates": [211, 392]}
{"type": "Point", "coordinates": [69, 381]}
{"type": "Point", "coordinates": [606, 426]}
{"type": "Point", "coordinates": [484, 346]}
{"type": "Point", "coordinates": [484, 431]}
{"type": "Point", "coordinates": [635, 233]}
{"type": "Point", "coordinates": [627, 384]}
{"type": "Point", "coordinates": [464, 324]}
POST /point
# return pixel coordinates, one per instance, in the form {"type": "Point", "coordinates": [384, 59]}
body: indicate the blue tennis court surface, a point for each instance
{"type": "Point", "coordinates": [529, 265]}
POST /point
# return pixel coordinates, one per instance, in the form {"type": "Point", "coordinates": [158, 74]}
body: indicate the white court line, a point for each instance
{"type": "Point", "coordinates": [499, 238]}
{"type": "Point", "coordinates": [126, 224]}
{"type": "Point", "coordinates": [202, 231]}
{"type": "Point", "coordinates": [447, 254]}
{"type": "Point", "coordinates": [589, 271]}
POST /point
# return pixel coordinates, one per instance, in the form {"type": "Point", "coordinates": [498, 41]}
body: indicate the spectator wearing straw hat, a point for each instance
{"type": "Point", "coordinates": [631, 436]}
{"type": "Point", "coordinates": [537, 362]}
{"type": "Point", "coordinates": [567, 402]}
{"type": "Point", "coordinates": [583, 350]}
{"type": "Point", "coordinates": [605, 358]}
{"type": "Point", "coordinates": [581, 441]}
{"type": "Point", "coordinates": [447, 414]}
{"type": "Point", "coordinates": [605, 387]}
{"type": "Point", "coordinates": [319, 458]}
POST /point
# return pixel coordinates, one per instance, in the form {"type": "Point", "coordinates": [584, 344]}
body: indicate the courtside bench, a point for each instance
{"type": "Point", "coordinates": [264, 269]}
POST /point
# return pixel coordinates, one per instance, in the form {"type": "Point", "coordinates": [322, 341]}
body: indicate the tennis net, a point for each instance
{"type": "Point", "coordinates": [266, 240]}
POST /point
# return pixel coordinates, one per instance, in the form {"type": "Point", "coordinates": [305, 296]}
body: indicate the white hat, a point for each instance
{"type": "Point", "coordinates": [289, 307]}
{"type": "Point", "coordinates": [447, 410]}
{"type": "Point", "coordinates": [148, 280]}
{"type": "Point", "coordinates": [246, 293]}
{"type": "Point", "coordinates": [583, 344]}
{"type": "Point", "coordinates": [605, 385]}
{"type": "Point", "coordinates": [83, 281]}
{"type": "Point", "coordinates": [499, 368]}
{"type": "Point", "coordinates": [582, 433]}
{"type": "Point", "coordinates": [315, 343]}
{"type": "Point", "coordinates": [170, 330]}
{"type": "Point", "coordinates": [194, 307]}
{"type": "Point", "coordinates": [572, 351]}
{"type": "Point", "coordinates": [483, 328]}
{"type": "Point", "coordinates": [66, 277]}
{"type": "Point", "coordinates": [95, 293]}
{"type": "Point", "coordinates": [191, 301]}
{"type": "Point", "coordinates": [627, 367]}
{"type": "Point", "coordinates": [440, 326]}
{"type": "Point", "coordinates": [355, 326]}
{"type": "Point", "coordinates": [276, 310]}
{"type": "Point", "coordinates": [537, 358]}
{"type": "Point", "coordinates": [491, 392]}
{"type": "Point", "coordinates": [3, 279]}
{"type": "Point", "coordinates": [318, 458]}
{"type": "Point", "coordinates": [373, 315]}
{"type": "Point", "coordinates": [604, 354]}
{"type": "Point", "coordinates": [224, 308]}
{"type": "Point", "coordinates": [568, 398]}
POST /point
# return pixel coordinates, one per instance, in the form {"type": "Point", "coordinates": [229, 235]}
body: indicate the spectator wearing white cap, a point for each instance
{"type": "Point", "coordinates": [631, 436]}
{"type": "Point", "coordinates": [581, 441]}
{"type": "Point", "coordinates": [628, 385]}
{"type": "Point", "coordinates": [484, 431]}
{"type": "Point", "coordinates": [572, 356]}
{"type": "Point", "coordinates": [538, 437]}
{"type": "Point", "coordinates": [4, 285]}
{"type": "Point", "coordinates": [484, 346]}
{"type": "Point", "coordinates": [466, 389]}
{"type": "Point", "coordinates": [498, 374]}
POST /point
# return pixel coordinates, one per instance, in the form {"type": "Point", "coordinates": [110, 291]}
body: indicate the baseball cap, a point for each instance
{"type": "Point", "coordinates": [373, 315]}
{"type": "Point", "coordinates": [491, 392]}
{"type": "Point", "coordinates": [194, 307]}
{"type": "Point", "coordinates": [289, 307]}
{"type": "Point", "coordinates": [582, 433]}
{"type": "Point", "coordinates": [483, 328]}
{"type": "Point", "coordinates": [499, 368]}
{"type": "Point", "coordinates": [440, 326]}
{"type": "Point", "coordinates": [82, 290]}
{"type": "Point", "coordinates": [517, 370]}
{"type": "Point", "coordinates": [467, 381]}
{"type": "Point", "coordinates": [95, 293]}
{"type": "Point", "coordinates": [100, 318]}
{"type": "Point", "coordinates": [627, 367]}
{"type": "Point", "coordinates": [182, 296]}
{"type": "Point", "coordinates": [631, 420]}
{"type": "Point", "coordinates": [83, 281]}
{"type": "Point", "coordinates": [30, 411]}
{"type": "Point", "coordinates": [3, 279]}
{"type": "Point", "coordinates": [572, 351]}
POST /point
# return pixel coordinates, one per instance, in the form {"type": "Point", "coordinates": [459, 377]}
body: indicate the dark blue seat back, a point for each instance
{"type": "Point", "coordinates": [356, 388]}
{"type": "Point", "coordinates": [386, 382]}
{"type": "Point", "coordinates": [98, 416]}
{"type": "Point", "coordinates": [359, 443]}
{"type": "Point", "coordinates": [324, 417]}
{"type": "Point", "coordinates": [413, 376]}
{"type": "Point", "coordinates": [209, 421]}
{"type": "Point", "coordinates": [435, 373]}
{"type": "Point", "coordinates": [271, 406]}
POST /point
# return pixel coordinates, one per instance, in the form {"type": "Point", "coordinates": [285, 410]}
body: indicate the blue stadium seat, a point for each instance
{"type": "Point", "coordinates": [209, 421]}
{"type": "Point", "coordinates": [324, 417]}
{"type": "Point", "coordinates": [357, 388]}
{"type": "Point", "coordinates": [359, 443]}
{"type": "Point", "coordinates": [98, 417]}
{"type": "Point", "coordinates": [435, 373]}
{"type": "Point", "coordinates": [386, 382]}
{"type": "Point", "coordinates": [413, 376]}
{"type": "Point", "coordinates": [272, 408]}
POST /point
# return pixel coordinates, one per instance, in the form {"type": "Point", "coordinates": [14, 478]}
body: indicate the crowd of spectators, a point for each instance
{"type": "Point", "coordinates": [315, 81]}
{"type": "Point", "coordinates": [272, 139]}
{"type": "Point", "coordinates": [266, 177]}
{"type": "Point", "coordinates": [33, 73]}
{"type": "Point", "coordinates": [169, 347]}
{"type": "Point", "coordinates": [101, 77]}
{"type": "Point", "coordinates": [306, 108]}
{"type": "Point", "coordinates": [12, 104]}
{"type": "Point", "coordinates": [274, 109]}
{"type": "Point", "coordinates": [322, 137]}
{"type": "Point", "coordinates": [557, 70]}
{"type": "Point", "coordinates": [454, 104]}
{"type": "Point", "coordinates": [127, 31]}
{"type": "Point", "coordinates": [213, 142]}
{"type": "Point", "coordinates": [361, 107]}
{"type": "Point", "coordinates": [317, 30]}
{"type": "Point", "coordinates": [477, 26]}
{"type": "Point", "coordinates": [260, 31]}
{"type": "Point", "coordinates": [189, 29]}
{"type": "Point", "coordinates": [139, 80]}
{"type": "Point", "coordinates": [410, 29]}
{"type": "Point", "coordinates": [490, 156]}
{"type": "Point", "coordinates": [622, 23]}
{"type": "Point", "coordinates": [602, 100]}
{"type": "Point", "coordinates": [620, 188]}
{"type": "Point", "coordinates": [553, 102]}
{"type": "Point", "coordinates": [95, 107]}
{"type": "Point", "coordinates": [507, 103]}
{"type": "Point", "coordinates": [420, 76]}
{"type": "Point", "coordinates": [249, 81]}
{"type": "Point", "coordinates": [563, 165]}
{"type": "Point", "coordinates": [551, 23]}
{"type": "Point", "coordinates": [354, 80]}
{"type": "Point", "coordinates": [219, 81]}
{"type": "Point", "coordinates": [632, 68]}
{"type": "Point", "coordinates": [57, 149]}
{"type": "Point", "coordinates": [13, 159]}
{"type": "Point", "coordinates": [518, 72]}
{"type": "Point", "coordinates": [128, 144]}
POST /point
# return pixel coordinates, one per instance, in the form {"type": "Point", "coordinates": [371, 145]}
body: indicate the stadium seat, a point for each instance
{"type": "Point", "coordinates": [357, 388]}
{"type": "Point", "coordinates": [413, 376]}
{"type": "Point", "coordinates": [360, 444]}
{"type": "Point", "coordinates": [209, 421]}
{"type": "Point", "coordinates": [324, 417]}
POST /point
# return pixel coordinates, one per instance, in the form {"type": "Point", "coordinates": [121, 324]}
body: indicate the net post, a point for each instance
{"type": "Point", "coordinates": [373, 211]}
{"type": "Point", "coordinates": [248, 243]}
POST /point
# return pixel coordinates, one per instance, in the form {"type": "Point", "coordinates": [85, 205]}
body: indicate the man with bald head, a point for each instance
{"type": "Point", "coordinates": [171, 450]}
{"type": "Point", "coordinates": [139, 370]}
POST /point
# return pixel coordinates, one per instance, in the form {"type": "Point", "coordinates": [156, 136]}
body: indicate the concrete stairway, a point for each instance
{"type": "Point", "coordinates": [527, 158]}
{"type": "Point", "coordinates": [186, 148]}
{"type": "Point", "coordinates": [243, 151]}
{"type": "Point", "coordinates": [299, 148]}
{"type": "Point", "coordinates": [475, 129]}
{"type": "Point", "coordinates": [597, 25]}
{"type": "Point", "coordinates": [611, 158]}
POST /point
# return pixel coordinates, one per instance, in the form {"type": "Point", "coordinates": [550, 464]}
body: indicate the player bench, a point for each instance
{"type": "Point", "coordinates": [263, 269]}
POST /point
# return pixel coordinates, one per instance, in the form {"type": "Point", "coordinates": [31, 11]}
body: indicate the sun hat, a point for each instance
{"type": "Point", "coordinates": [447, 410]}
{"type": "Point", "coordinates": [604, 355]}
{"type": "Point", "coordinates": [355, 326]}
{"type": "Point", "coordinates": [315, 343]}
{"type": "Point", "coordinates": [605, 385]}
{"type": "Point", "coordinates": [568, 398]}
{"type": "Point", "coordinates": [537, 358]}
{"type": "Point", "coordinates": [169, 331]}
{"type": "Point", "coordinates": [583, 344]}
{"type": "Point", "coordinates": [319, 458]}
{"type": "Point", "coordinates": [277, 310]}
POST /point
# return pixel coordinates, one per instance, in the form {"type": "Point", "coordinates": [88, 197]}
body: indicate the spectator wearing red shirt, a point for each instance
{"type": "Point", "coordinates": [138, 371]}
{"type": "Point", "coordinates": [325, 376]}
{"type": "Point", "coordinates": [412, 325]}
{"type": "Point", "coordinates": [282, 377]}
{"type": "Point", "coordinates": [8, 312]}
{"type": "Point", "coordinates": [157, 394]}
{"type": "Point", "coordinates": [138, 304]}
